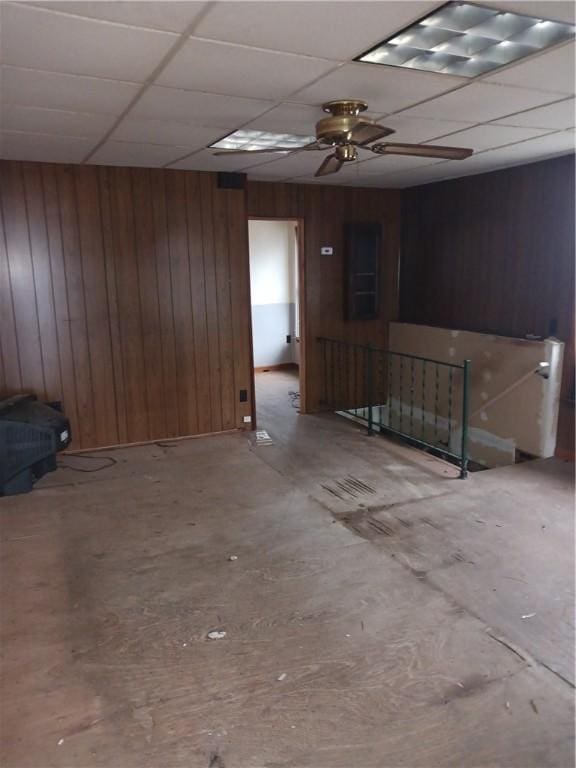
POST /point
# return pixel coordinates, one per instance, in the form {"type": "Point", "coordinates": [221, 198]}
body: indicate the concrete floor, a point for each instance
{"type": "Point", "coordinates": [373, 617]}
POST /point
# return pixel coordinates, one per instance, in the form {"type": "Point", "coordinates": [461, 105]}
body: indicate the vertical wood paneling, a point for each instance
{"type": "Point", "coordinates": [42, 278]}
{"type": "Point", "coordinates": [21, 274]}
{"type": "Point", "coordinates": [112, 304]}
{"type": "Point", "coordinates": [198, 299]}
{"type": "Point", "coordinates": [225, 328]}
{"type": "Point", "coordinates": [96, 303]}
{"type": "Point", "coordinates": [68, 394]}
{"type": "Point", "coordinates": [9, 352]}
{"type": "Point", "coordinates": [240, 298]}
{"type": "Point", "coordinates": [212, 316]}
{"type": "Point", "coordinates": [166, 313]}
{"type": "Point", "coordinates": [149, 300]}
{"type": "Point", "coordinates": [76, 316]}
{"type": "Point", "coordinates": [183, 323]}
{"type": "Point", "coordinates": [128, 286]}
{"type": "Point", "coordinates": [132, 290]}
{"type": "Point", "coordinates": [124, 293]}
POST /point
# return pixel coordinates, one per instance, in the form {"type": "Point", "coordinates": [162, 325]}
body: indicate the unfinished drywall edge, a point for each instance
{"type": "Point", "coordinates": [551, 402]}
{"type": "Point", "coordinates": [527, 415]}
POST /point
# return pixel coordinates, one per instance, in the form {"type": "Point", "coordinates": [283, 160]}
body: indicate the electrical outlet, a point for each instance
{"type": "Point", "coordinates": [243, 395]}
{"type": "Point", "coordinates": [247, 419]}
{"type": "Point", "coordinates": [288, 339]}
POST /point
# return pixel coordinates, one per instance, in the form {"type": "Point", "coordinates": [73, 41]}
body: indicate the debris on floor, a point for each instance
{"type": "Point", "coordinates": [263, 438]}
{"type": "Point", "coordinates": [528, 615]}
{"type": "Point", "coordinates": [232, 558]}
{"type": "Point", "coordinates": [294, 399]}
{"type": "Point", "coordinates": [216, 634]}
{"type": "Point", "coordinates": [282, 677]}
{"type": "Point", "coordinates": [533, 705]}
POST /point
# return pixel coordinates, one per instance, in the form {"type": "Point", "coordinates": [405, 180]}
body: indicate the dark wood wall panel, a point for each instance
{"type": "Point", "coordinates": [123, 293]}
{"type": "Point", "coordinates": [323, 211]}
{"type": "Point", "coordinates": [495, 253]}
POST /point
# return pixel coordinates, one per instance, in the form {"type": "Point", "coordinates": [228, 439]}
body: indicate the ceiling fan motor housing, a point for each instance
{"type": "Point", "coordinates": [337, 129]}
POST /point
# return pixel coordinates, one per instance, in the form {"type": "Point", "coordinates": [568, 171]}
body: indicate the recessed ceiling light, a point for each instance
{"type": "Point", "coordinates": [251, 140]}
{"type": "Point", "coordinates": [471, 39]}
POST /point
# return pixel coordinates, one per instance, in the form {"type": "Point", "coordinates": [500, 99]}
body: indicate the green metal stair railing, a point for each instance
{"type": "Point", "coordinates": [418, 399]}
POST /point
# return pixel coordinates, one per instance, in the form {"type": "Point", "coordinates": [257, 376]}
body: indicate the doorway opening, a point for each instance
{"type": "Point", "coordinates": [278, 347]}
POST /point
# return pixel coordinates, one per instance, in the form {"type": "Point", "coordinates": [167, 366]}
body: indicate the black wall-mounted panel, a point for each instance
{"type": "Point", "coordinates": [362, 247]}
{"type": "Point", "coordinates": [231, 180]}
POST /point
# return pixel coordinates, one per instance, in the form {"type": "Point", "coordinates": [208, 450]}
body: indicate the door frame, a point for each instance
{"type": "Point", "coordinates": [301, 308]}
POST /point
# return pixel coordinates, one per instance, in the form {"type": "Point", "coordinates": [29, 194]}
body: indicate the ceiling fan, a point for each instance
{"type": "Point", "coordinates": [345, 132]}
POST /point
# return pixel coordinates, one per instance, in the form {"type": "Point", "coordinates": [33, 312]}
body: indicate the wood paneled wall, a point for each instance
{"type": "Point", "coordinates": [124, 293]}
{"type": "Point", "coordinates": [495, 253]}
{"type": "Point", "coordinates": [323, 211]}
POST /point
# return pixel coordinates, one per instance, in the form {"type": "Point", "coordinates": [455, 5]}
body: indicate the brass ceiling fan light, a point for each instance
{"type": "Point", "coordinates": [345, 131]}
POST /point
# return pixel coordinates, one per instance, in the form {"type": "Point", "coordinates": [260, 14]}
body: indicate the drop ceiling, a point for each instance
{"type": "Point", "coordinates": [154, 83]}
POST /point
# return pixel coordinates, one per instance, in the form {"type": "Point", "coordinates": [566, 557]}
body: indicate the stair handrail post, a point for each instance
{"type": "Point", "coordinates": [465, 418]}
{"type": "Point", "coordinates": [370, 392]}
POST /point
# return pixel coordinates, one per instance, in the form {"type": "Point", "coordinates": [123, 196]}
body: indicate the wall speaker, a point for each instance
{"type": "Point", "coordinates": [231, 180]}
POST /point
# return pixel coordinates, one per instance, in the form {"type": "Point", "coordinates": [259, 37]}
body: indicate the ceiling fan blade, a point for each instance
{"type": "Point", "coordinates": [365, 132]}
{"type": "Point", "coordinates": [422, 150]}
{"type": "Point", "coordinates": [331, 164]}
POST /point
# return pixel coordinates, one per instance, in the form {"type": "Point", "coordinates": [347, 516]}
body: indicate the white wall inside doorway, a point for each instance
{"type": "Point", "coordinates": [274, 291]}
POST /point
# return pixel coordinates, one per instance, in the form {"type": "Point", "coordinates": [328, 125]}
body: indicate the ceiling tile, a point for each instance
{"type": "Point", "coordinates": [289, 166]}
{"type": "Point", "coordinates": [553, 70]}
{"type": "Point", "coordinates": [393, 163]}
{"type": "Point", "coordinates": [532, 150]}
{"type": "Point", "coordinates": [481, 102]}
{"type": "Point", "coordinates": [36, 38]}
{"type": "Point", "coordinates": [418, 129]}
{"type": "Point", "coordinates": [128, 153]}
{"type": "Point", "coordinates": [227, 112]}
{"type": "Point", "coordinates": [556, 117]}
{"type": "Point", "coordinates": [34, 88]}
{"type": "Point", "coordinates": [166, 132]}
{"type": "Point", "coordinates": [484, 137]}
{"type": "Point", "coordinates": [299, 119]}
{"type": "Point", "coordinates": [43, 148]}
{"type": "Point", "coordinates": [555, 10]}
{"type": "Point", "coordinates": [208, 161]}
{"type": "Point", "coordinates": [337, 30]}
{"type": "Point", "coordinates": [170, 16]}
{"type": "Point", "coordinates": [516, 154]}
{"type": "Point", "coordinates": [386, 89]}
{"type": "Point", "coordinates": [54, 121]}
{"type": "Point", "coordinates": [202, 65]}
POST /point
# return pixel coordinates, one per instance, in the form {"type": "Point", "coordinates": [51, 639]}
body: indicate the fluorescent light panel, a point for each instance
{"type": "Point", "coordinates": [250, 140]}
{"type": "Point", "coordinates": [468, 40]}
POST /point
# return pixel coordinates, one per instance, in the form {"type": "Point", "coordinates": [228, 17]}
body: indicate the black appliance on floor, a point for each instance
{"type": "Point", "coordinates": [31, 434]}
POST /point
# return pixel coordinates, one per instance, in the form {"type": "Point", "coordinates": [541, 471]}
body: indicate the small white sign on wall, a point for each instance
{"type": "Point", "coordinates": [326, 250]}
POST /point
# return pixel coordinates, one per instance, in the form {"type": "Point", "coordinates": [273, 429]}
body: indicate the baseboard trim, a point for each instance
{"type": "Point", "coordinates": [279, 367]}
{"type": "Point", "coordinates": [152, 442]}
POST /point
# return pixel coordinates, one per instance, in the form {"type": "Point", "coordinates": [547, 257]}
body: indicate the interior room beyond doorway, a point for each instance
{"type": "Point", "coordinates": [274, 288]}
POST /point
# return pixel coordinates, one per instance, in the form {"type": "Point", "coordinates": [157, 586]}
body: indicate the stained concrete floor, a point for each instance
{"type": "Point", "coordinates": [373, 616]}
